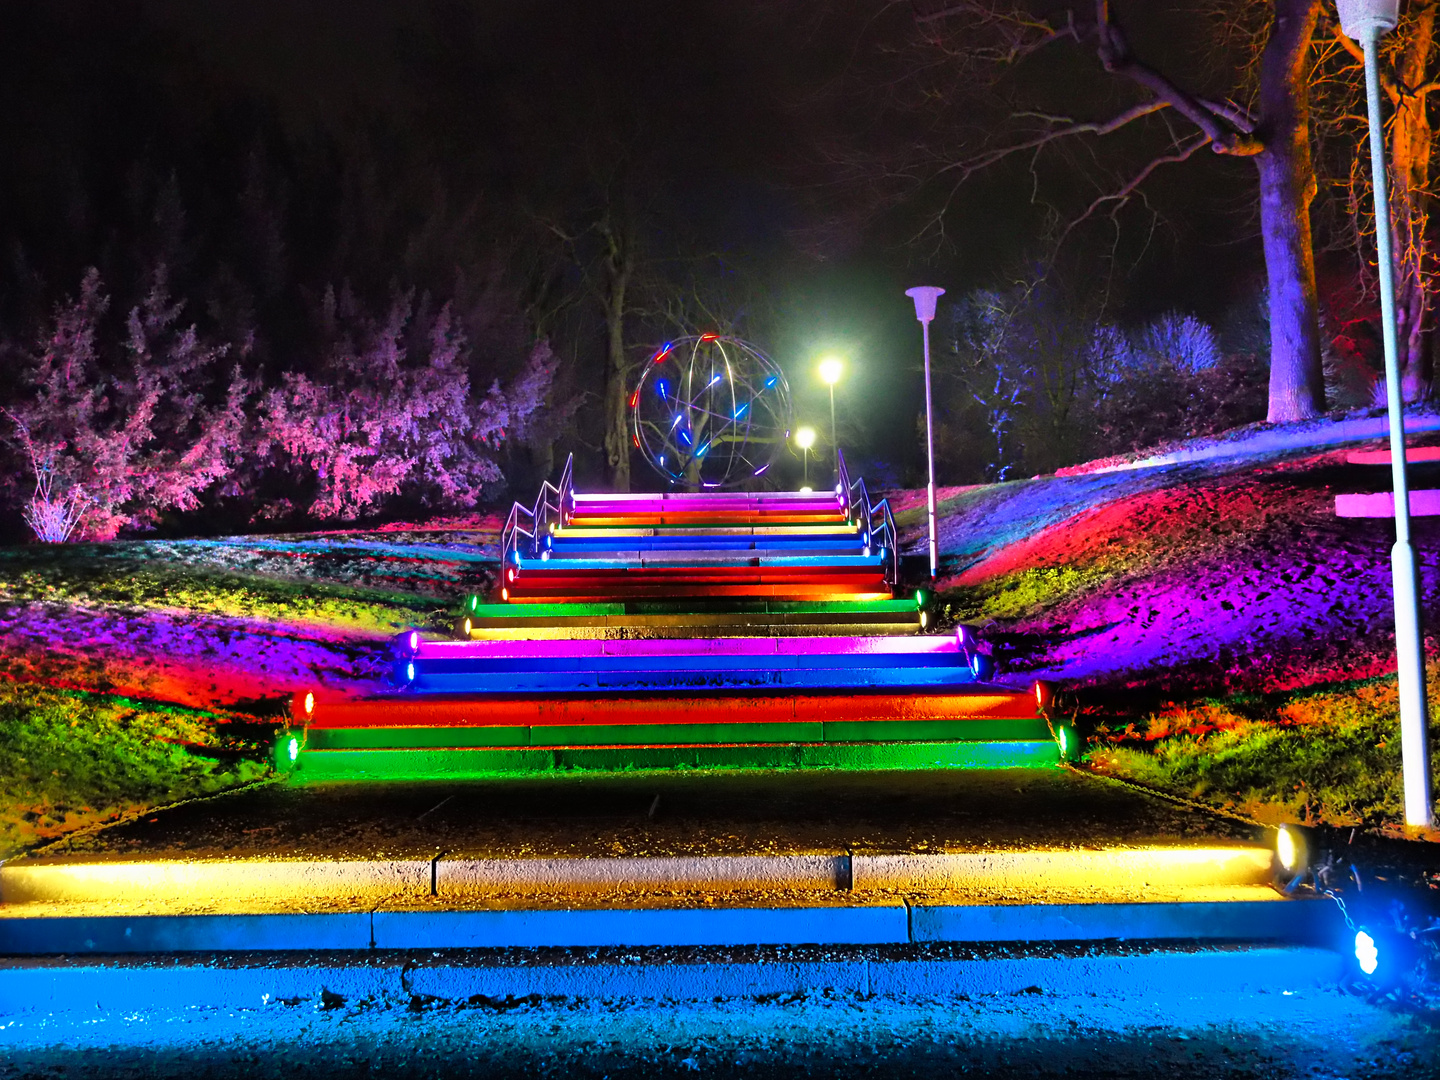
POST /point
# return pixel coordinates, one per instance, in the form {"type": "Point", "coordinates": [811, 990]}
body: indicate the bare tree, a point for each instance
{"type": "Point", "coordinates": [1410, 77]}
{"type": "Point", "coordinates": [1264, 118]}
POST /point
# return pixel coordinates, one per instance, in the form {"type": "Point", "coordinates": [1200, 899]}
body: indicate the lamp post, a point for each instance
{"type": "Point", "coordinates": [924, 297]}
{"type": "Point", "coordinates": [805, 439]}
{"type": "Point", "coordinates": [831, 368]}
{"type": "Point", "coordinates": [1366, 21]}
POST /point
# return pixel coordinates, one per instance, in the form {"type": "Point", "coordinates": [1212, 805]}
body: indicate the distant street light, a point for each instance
{"type": "Point", "coordinates": [831, 368]}
{"type": "Point", "coordinates": [1366, 21]}
{"type": "Point", "coordinates": [924, 297]}
{"type": "Point", "coordinates": [805, 439]}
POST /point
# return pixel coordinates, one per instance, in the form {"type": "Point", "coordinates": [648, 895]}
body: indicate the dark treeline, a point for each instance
{"type": "Point", "coordinates": [539, 192]}
{"type": "Point", "coordinates": [270, 263]}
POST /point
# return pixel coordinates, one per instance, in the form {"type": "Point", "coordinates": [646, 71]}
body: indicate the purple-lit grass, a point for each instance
{"type": "Point", "coordinates": [68, 760]}
{"type": "Point", "coordinates": [99, 576]}
{"type": "Point", "coordinates": [1207, 576]}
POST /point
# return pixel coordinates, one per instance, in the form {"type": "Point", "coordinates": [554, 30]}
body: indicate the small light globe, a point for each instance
{"type": "Point", "coordinates": [831, 368]}
{"type": "Point", "coordinates": [805, 437]}
{"type": "Point", "coordinates": [1358, 17]}
{"type": "Point", "coordinates": [807, 490]}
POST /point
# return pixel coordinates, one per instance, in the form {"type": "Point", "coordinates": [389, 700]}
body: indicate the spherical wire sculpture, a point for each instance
{"type": "Point", "coordinates": [710, 412]}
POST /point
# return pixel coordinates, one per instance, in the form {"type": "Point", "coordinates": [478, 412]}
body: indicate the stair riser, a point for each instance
{"type": "Point", "coordinates": [883, 731]}
{"type": "Point", "coordinates": [440, 667]}
{"type": "Point", "coordinates": [576, 594]}
{"type": "Point", "coordinates": [438, 711]}
{"type": "Point", "coordinates": [599, 630]}
{"type": "Point", "coordinates": [844, 649]}
{"type": "Point", "coordinates": [657, 682]}
{"type": "Point", "coordinates": [482, 763]}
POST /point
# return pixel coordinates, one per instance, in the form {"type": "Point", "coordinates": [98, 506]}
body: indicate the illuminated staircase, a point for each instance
{"type": "Point", "coordinates": [682, 630]}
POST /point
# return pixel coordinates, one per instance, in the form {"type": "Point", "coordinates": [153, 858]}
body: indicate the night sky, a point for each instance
{"type": "Point", "coordinates": [736, 124]}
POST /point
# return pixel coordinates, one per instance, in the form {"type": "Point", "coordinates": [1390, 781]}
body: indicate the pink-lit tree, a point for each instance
{"type": "Point", "coordinates": [390, 408]}
{"type": "Point", "coordinates": [115, 432]}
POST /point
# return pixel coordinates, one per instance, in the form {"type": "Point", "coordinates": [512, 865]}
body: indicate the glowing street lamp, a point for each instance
{"type": "Point", "coordinates": [925, 297]}
{"type": "Point", "coordinates": [831, 368]}
{"type": "Point", "coordinates": [805, 439]}
{"type": "Point", "coordinates": [1366, 21]}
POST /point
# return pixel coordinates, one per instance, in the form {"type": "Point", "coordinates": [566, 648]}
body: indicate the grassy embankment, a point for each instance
{"type": "Point", "coordinates": [1215, 629]}
{"type": "Point", "coordinates": [133, 675]}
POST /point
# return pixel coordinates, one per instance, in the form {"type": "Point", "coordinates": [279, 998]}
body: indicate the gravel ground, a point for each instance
{"type": "Point", "coordinates": [1304, 1033]}
{"type": "Point", "coordinates": [666, 814]}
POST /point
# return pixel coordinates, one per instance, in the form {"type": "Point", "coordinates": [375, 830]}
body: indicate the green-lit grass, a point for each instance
{"type": "Point", "coordinates": [69, 759]}
{"type": "Point", "coordinates": [69, 577]}
{"type": "Point", "coordinates": [1014, 596]}
{"type": "Point", "coordinates": [1319, 757]}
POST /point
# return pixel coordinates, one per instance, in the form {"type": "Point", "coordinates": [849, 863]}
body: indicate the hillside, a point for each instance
{"type": "Point", "coordinates": [1216, 630]}
{"type": "Point", "coordinates": [1205, 604]}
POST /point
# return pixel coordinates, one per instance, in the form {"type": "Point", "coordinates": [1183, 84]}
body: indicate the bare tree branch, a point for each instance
{"type": "Point", "coordinates": [1117, 59]}
{"type": "Point", "coordinates": [1115, 123]}
{"type": "Point", "coordinates": [1127, 190]}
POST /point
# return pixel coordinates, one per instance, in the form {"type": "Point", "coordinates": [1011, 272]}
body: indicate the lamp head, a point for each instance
{"type": "Point", "coordinates": [831, 368]}
{"type": "Point", "coordinates": [924, 297]}
{"type": "Point", "coordinates": [805, 437]}
{"type": "Point", "coordinates": [1358, 17]}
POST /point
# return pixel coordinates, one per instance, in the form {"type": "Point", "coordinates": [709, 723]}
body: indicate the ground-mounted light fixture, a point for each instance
{"type": "Point", "coordinates": [1291, 850]}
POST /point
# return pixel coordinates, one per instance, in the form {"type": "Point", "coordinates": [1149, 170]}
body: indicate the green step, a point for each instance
{"type": "Point", "coordinates": [879, 731]}
{"type": "Point", "coordinates": [319, 766]}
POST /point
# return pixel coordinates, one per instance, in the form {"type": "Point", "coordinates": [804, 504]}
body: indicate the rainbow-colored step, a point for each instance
{"type": "Point", "coordinates": [683, 630]}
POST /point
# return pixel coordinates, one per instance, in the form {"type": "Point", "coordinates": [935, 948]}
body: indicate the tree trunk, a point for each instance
{"type": "Point", "coordinates": [619, 265]}
{"type": "Point", "coordinates": [617, 411]}
{"type": "Point", "coordinates": [1410, 151]}
{"type": "Point", "coordinates": [1287, 185]}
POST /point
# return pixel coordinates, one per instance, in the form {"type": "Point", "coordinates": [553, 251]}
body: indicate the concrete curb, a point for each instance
{"type": "Point", "coordinates": [1016, 873]}
{"type": "Point", "coordinates": [896, 922]}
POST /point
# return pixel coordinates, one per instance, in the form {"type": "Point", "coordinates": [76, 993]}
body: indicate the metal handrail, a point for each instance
{"type": "Point", "coordinates": [543, 518]}
{"type": "Point", "coordinates": [856, 497]}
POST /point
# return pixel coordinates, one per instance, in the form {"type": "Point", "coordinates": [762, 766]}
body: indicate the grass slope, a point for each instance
{"type": "Point", "coordinates": [1222, 633]}
{"type": "Point", "coordinates": [1217, 630]}
{"type": "Point", "coordinates": [139, 673]}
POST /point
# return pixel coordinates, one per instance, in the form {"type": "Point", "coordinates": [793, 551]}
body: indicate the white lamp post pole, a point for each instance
{"type": "Point", "coordinates": [1366, 21]}
{"type": "Point", "coordinates": [924, 297]}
